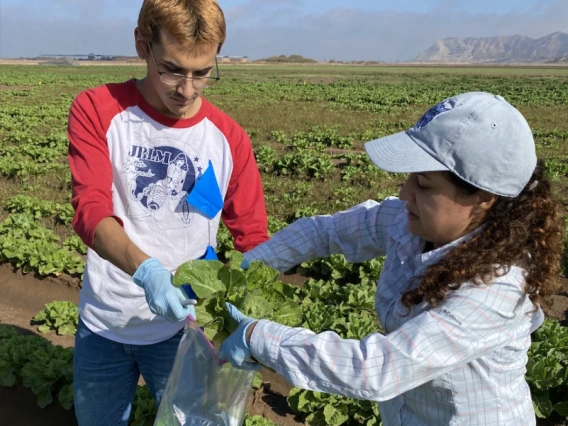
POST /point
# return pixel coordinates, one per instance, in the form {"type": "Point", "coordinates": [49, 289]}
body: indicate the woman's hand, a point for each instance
{"type": "Point", "coordinates": [235, 348]}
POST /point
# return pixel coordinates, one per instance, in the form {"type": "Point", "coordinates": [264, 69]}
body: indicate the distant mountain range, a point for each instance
{"type": "Point", "coordinates": [505, 49]}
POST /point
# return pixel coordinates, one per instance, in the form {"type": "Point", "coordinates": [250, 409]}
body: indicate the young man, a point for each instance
{"type": "Point", "coordinates": [139, 151]}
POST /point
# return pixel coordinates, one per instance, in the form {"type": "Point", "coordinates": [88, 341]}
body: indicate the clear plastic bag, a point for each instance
{"type": "Point", "coordinates": [203, 390]}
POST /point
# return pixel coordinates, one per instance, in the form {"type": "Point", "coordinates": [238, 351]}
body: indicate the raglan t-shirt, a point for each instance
{"type": "Point", "coordinates": [134, 164]}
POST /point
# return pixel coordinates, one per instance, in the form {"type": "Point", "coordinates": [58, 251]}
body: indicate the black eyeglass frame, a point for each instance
{"type": "Point", "coordinates": [180, 77]}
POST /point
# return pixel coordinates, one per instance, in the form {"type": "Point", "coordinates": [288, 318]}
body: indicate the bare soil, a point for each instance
{"type": "Point", "coordinates": [4, 87]}
{"type": "Point", "coordinates": [19, 408]}
{"type": "Point", "coordinates": [558, 308]}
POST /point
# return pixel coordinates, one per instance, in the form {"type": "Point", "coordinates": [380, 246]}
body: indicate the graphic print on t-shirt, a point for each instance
{"type": "Point", "coordinates": [159, 179]}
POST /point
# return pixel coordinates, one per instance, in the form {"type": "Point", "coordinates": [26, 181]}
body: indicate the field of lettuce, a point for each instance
{"type": "Point", "coordinates": [307, 125]}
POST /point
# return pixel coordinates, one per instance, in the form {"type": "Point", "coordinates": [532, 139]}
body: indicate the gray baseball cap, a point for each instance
{"type": "Point", "coordinates": [478, 136]}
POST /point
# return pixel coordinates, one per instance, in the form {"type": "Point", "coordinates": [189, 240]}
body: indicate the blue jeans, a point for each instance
{"type": "Point", "coordinates": [106, 374]}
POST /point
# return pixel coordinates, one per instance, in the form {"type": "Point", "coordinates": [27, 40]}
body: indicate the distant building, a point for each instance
{"type": "Point", "coordinates": [232, 59]}
{"type": "Point", "coordinates": [79, 57]}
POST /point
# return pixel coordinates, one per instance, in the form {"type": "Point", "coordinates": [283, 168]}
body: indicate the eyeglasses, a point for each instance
{"type": "Point", "coordinates": [199, 82]}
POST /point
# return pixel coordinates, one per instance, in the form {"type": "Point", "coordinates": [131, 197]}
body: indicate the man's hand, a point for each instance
{"type": "Point", "coordinates": [162, 296]}
{"type": "Point", "coordinates": [235, 348]}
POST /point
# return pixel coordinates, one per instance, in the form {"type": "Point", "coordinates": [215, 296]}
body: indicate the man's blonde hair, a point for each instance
{"type": "Point", "coordinates": [195, 22]}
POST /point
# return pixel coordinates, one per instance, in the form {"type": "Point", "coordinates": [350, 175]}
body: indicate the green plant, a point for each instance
{"type": "Point", "coordinates": [258, 421]}
{"type": "Point", "coordinates": [344, 197]}
{"type": "Point", "coordinates": [63, 213]}
{"type": "Point", "coordinates": [278, 136]}
{"type": "Point", "coordinates": [31, 246]}
{"type": "Point", "coordinates": [305, 212]}
{"type": "Point", "coordinates": [547, 369]}
{"type": "Point", "coordinates": [59, 316]}
{"type": "Point", "coordinates": [144, 408]}
{"type": "Point", "coordinates": [255, 291]}
{"type": "Point", "coordinates": [323, 409]}
{"type": "Point", "coordinates": [275, 225]}
{"type": "Point", "coordinates": [298, 192]}
{"type": "Point", "coordinates": [75, 243]}
{"type": "Point", "coordinates": [252, 133]}
{"type": "Point", "coordinates": [549, 137]}
{"type": "Point", "coordinates": [312, 164]}
{"type": "Point", "coordinates": [224, 239]}
{"type": "Point", "coordinates": [15, 352]}
{"type": "Point", "coordinates": [49, 372]}
{"type": "Point", "coordinates": [556, 168]}
{"type": "Point", "coordinates": [347, 310]}
{"type": "Point", "coordinates": [337, 269]}
{"type": "Point", "coordinates": [265, 158]}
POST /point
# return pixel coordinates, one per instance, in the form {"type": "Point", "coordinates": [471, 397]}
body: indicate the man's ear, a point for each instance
{"type": "Point", "coordinates": [140, 44]}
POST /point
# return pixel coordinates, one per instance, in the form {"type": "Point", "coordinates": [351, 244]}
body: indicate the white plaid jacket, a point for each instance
{"type": "Point", "coordinates": [461, 363]}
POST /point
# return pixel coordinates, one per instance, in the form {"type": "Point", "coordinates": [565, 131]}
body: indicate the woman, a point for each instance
{"type": "Point", "coordinates": [473, 245]}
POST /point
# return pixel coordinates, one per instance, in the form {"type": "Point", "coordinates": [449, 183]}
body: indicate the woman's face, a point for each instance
{"type": "Point", "coordinates": [438, 211]}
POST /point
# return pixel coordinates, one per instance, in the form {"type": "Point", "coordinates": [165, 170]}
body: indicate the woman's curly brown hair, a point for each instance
{"type": "Point", "coordinates": [525, 231]}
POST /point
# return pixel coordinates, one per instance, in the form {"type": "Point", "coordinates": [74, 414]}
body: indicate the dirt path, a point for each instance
{"type": "Point", "coordinates": [558, 309]}
{"type": "Point", "coordinates": [23, 296]}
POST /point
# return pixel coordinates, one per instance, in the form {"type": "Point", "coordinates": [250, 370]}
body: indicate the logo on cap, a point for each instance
{"type": "Point", "coordinates": [432, 113]}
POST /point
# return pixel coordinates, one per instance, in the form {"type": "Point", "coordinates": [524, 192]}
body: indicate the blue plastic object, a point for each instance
{"type": "Point", "coordinates": [206, 195]}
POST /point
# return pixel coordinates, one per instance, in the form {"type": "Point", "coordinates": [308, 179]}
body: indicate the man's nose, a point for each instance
{"type": "Point", "coordinates": [186, 88]}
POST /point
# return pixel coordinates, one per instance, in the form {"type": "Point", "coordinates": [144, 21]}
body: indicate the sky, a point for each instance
{"type": "Point", "coordinates": [381, 30]}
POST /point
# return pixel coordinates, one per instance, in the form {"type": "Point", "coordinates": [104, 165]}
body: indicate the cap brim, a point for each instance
{"type": "Point", "coordinates": [399, 153]}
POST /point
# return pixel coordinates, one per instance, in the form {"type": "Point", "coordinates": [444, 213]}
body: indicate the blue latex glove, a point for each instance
{"type": "Point", "coordinates": [245, 264]}
{"type": "Point", "coordinates": [162, 296]}
{"type": "Point", "coordinates": [235, 348]}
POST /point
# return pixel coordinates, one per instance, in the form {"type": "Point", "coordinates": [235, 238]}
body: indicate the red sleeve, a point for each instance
{"type": "Point", "coordinates": [244, 211]}
{"type": "Point", "coordinates": [91, 170]}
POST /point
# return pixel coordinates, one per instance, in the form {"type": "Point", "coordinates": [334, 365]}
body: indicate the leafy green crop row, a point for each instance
{"type": "Point", "coordinates": [313, 163]}
{"type": "Point", "coordinates": [318, 408]}
{"type": "Point", "coordinates": [547, 369]}
{"type": "Point", "coordinates": [376, 95]}
{"type": "Point", "coordinates": [63, 213]}
{"type": "Point", "coordinates": [31, 246]}
{"type": "Point", "coordinates": [24, 154]}
{"type": "Point", "coordinates": [47, 371]}
{"type": "Point", "coordinates": [324, 136]}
